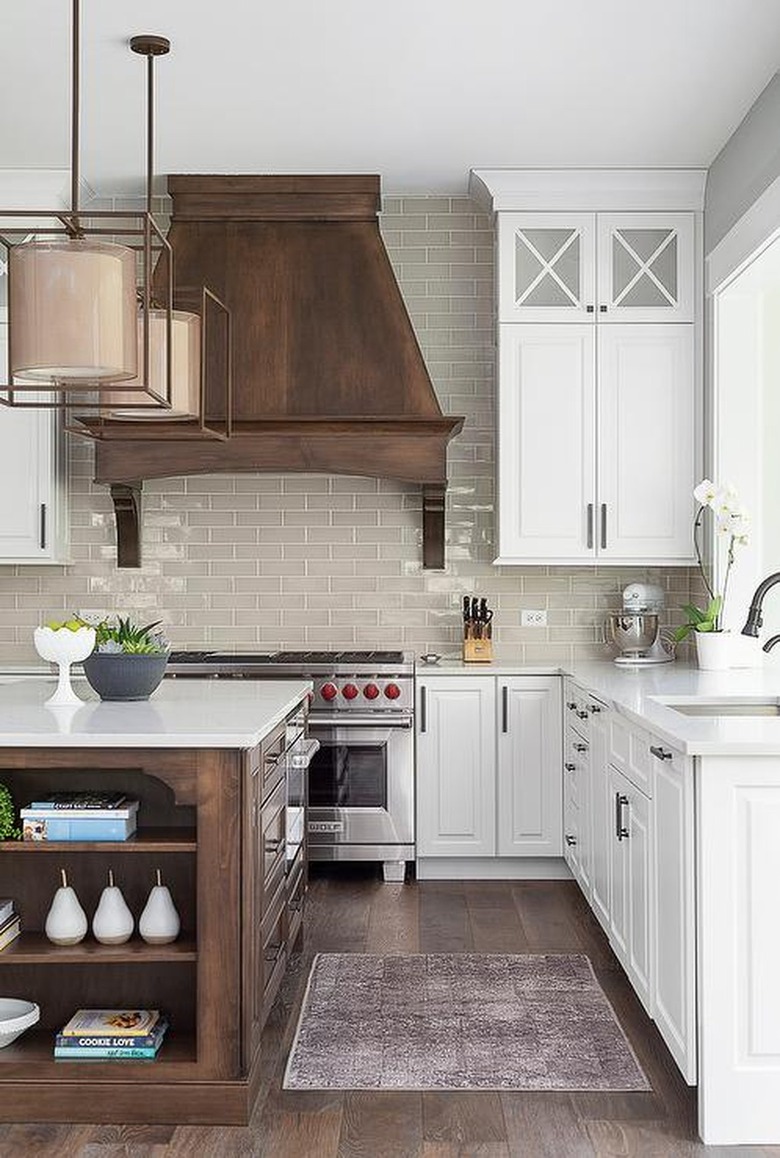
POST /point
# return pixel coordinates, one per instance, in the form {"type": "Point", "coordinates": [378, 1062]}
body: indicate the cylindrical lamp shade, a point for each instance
{"type": "Point", "coordinates": [72, 311]}
{"type": "Point", "coordinates": [185, 369]}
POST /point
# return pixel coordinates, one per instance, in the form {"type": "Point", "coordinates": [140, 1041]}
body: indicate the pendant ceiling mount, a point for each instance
{"type": "Point", "coordinates": [150, 45]}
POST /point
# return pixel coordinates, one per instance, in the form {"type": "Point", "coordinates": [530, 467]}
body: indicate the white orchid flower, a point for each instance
{"type": "Point", "coordinates": [705, 493]}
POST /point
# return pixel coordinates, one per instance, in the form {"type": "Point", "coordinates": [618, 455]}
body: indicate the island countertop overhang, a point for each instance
{"type": "Point", "coordinates": [189, 713]}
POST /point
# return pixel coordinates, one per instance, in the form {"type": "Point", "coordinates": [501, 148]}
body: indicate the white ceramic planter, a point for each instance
{"type": "Point", "coordinates": [713, 650]}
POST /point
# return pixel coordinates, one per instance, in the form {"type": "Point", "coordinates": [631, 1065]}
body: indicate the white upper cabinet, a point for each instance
{"type": "Point", "coordinates": [645, 439]}
{"type": "Point", "coordinates": [33, 509]}
{"type": "Point", "coordinates": [546, 442]}
{"type": "Point", "coordinates": [599, 380]}
{"type": "Point", "coordinates": [596, 267]}
{"type": "Point", "coordinates": [645, 267]}
{"type": "Point", "coordinates": [547, 267]}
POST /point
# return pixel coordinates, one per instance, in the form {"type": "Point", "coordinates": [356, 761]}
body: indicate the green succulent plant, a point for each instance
{"type": "Point", "coordinates": [124, 636]}
{"type": "Point", "coordinates": [8, 826]}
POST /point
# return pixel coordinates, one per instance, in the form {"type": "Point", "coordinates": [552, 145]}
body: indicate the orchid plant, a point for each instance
{"type": "Point", "coordinates": [732, 526]}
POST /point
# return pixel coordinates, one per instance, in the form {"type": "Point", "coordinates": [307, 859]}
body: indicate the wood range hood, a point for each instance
{"type": "Point", "coordinates": [328, 376]}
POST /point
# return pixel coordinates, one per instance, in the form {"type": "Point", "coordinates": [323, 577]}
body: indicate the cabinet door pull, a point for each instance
{"type": "Point", "coordinates": [603, 525]}
{"type": "Point", "coordinates": [569, 766]}
{"type": "Point", "coordinates": [590, 525]}
{"type": "Point", "coordinates": [602, 309]}
{"type": "Point", "coordinates": [582, 715]}
{"type": "Point", "coordinates": [594, 708]}
{"type": "Point", "coordinates": [621, 832]}
{"type": "Point", "coordinates": [571, 706]}
{"type": "Point", "coordinates": [589, 309]}
{"type": "Point", "coordinates": [273, 953]}
{"type": "Point", "coordinates": [273, 846]}
{"type": "Point", "coordinates": [580, 747]}
{"type": "Point", "coordinates": [423, 709]}
{"type": "Point", "coordinates": [660, 753]}
{"type": "Point", "coordinates": [505, 709]}
{"type": "Point", "coordinates": [43, 526]}
{"type": "Point", "coordinates": [570, 840]}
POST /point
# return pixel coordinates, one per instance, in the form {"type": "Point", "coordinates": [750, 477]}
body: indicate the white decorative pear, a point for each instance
{"type": "Point", "coordinates": [113, 922]}
{"type": "Point", "coordinates": [159, 923]}
{"type": "Point", "coordinates": [66, 921]}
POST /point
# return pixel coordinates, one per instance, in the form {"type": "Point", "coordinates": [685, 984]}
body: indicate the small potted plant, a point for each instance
{"type": "Point", "coordinates": [732, 527]}
{"type": "Point", "coordinates": [128, 662]}
{"type": "Point", "coordinates": [9, 829]}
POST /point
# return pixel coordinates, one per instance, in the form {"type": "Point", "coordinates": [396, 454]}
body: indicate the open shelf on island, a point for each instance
{"type": "Point", "coordinates": [36, 949]}
{"type": "Point", "coordinates": [36, 1049]}
{"type": "Point", "coordinates": [144, 840]}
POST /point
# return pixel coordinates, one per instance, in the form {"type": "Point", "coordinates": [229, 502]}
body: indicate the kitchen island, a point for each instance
{"type": "Point", "coordinates": [208, 763]}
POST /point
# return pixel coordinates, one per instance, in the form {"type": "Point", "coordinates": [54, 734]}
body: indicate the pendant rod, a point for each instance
{"type": "Point", "coordinates": [75, 98]}
{"type": "Point", "coordinates": [150, 46]}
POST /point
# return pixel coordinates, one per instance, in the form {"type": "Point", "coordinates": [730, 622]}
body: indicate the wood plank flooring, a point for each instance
{"type": "Point", "coordinates": [351, 910]}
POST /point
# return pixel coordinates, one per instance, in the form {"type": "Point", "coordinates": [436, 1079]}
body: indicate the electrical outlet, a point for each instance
{"type": "Point", "coordinates": [533, 618]}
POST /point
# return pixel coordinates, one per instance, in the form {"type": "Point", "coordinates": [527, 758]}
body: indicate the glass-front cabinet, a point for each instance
{"type": "Point", "coordinates": [598, 267]}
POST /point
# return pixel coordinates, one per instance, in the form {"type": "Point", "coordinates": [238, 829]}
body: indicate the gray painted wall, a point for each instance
{"type": "Point", "coordinates": [746, 165]}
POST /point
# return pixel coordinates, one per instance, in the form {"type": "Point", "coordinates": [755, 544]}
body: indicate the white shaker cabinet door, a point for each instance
{"type": "Point", "coordinates": [645, 267]}
{"type": "Point", "coordinates": [529, 766]}
{"type": "Point", "coordinates": [646, 459]}
{"type": "Point", "coordinates": [456, 799]}
{"type": "Point", "coordinates": [546, 443]}
{"type": "Point", "coordinates": [547, 267]}
{"type": "Point", "coordinates": [630, 872]}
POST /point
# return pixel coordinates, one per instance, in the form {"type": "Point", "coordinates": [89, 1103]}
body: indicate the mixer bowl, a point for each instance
{"type": "Point", "coordinates": [633, 632]}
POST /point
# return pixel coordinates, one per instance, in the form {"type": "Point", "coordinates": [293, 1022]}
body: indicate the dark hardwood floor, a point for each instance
{"type": "Point", "coordinates": [353, 911]}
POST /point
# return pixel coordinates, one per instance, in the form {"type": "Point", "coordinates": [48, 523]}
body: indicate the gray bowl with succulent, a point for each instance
{"type": "Point", "coordinates": [128, 662]}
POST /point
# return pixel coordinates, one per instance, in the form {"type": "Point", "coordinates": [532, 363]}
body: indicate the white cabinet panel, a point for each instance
{"type": "Point", "coordinates": [645, 267]}
{"type": "Point", "coordinates": [529, 766]}
{"type": "Point", "coordinates": [646, 462]}
{"type": "Point", "coordinates": [33, 514]}
{"type": "Point", "coordinates": [456, 771]}
{"type": "Point", "coordinates": [547, 267]}
{"type": "Point", "coordinates": [674, 975]}
{"type": "Point", "coordinates": [630, 883]}
{"type": "Point", "coordinates": [546, 442]}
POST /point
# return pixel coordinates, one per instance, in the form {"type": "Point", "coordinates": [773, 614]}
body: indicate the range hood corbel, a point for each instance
{"type": "Point", "coordinates": [328, 376]}
{"type": "Point", "coordinates": [126, 498]}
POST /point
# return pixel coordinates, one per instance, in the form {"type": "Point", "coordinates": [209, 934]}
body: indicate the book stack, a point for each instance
{"type": "Point", "coordinates": [10, 925]}
{"type": "Point", "coordinates": [111, 1035]}
{"type": "Point", "coordinates": [90, 816]}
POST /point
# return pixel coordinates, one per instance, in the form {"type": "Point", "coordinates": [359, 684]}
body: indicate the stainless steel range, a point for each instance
{"type": "Point", "coordinates": [361, 781]}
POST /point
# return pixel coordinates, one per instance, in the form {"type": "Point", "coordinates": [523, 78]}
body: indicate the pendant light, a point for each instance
{"type": "Point", "coordinates": [72, 292]}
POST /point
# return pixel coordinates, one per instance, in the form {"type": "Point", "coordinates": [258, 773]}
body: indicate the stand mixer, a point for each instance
{"type": "Point", "coordinates": [636, 629]}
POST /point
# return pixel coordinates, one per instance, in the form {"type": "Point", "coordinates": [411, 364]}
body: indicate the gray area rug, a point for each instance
{"type": "Point", "coordinates": [458, 1021]}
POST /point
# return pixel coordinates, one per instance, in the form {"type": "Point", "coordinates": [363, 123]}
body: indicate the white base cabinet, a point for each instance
{"type": "Point", "coordinates": [489, 767]}
{"type": "Point", "coordinates": [456, 767]}
{"type": "Point", "coordinates": [630, 883]}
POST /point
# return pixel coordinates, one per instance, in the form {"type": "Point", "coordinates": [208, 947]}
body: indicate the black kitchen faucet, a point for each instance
{"type": "Point", "coordinates": [754, 619]}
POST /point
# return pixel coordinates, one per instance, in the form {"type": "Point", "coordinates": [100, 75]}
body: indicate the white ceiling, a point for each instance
{"type": "Point", "coordinates": [419, 91]}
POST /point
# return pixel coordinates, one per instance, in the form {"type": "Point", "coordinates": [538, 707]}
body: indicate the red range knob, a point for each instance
{"type": "Point", "coordinates": [329, 691]}
{"type": "Point", "coordinates": [370, 691]}
{"type": "Point", "coordinates": [349, 691]}
{"type": "Point", "coordinates": [392, 691]}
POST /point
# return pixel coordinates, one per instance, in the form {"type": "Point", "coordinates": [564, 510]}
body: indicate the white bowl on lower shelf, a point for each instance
{"type": "Point", "coordinates": [15, 1017]}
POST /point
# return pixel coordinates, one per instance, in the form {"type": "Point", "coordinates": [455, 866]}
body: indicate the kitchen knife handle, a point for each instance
{"type": "Point", "coordinates": [505, 709]}
{"type": "Point", "coordinates": [423, 709]}
{"type": "Point", "coordinates": [603, 526]}
{"type": "Point", "coordinates": [590, 525]}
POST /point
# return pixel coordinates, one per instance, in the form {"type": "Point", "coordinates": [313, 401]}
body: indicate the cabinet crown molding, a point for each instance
{"type": "Point", "coordinates": [500, 190]}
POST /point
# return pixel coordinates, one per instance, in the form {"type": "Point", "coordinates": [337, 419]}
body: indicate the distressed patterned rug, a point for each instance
{"type": "Point", "coordinates": [458, 1021]}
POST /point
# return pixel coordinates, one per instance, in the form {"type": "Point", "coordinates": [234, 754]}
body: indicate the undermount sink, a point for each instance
{"type": "Point", "coordinates": [727, 707]}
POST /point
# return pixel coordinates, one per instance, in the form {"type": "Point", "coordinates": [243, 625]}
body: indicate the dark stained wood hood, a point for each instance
{"type": "Point", "coordinates": [328, 376]}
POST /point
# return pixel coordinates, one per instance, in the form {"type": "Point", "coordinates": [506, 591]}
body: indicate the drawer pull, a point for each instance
{"type": "Point", "coordinates": [570, 840]}
{"type": "Point", "coordinates": [659, 753]}
{"type": "Point", "coordinates": [571, 706]}
{"type": "Point", "coordinates": [570, 767]}
{"type": "Point", "coordinates": [580, 747]}
{"type": "Point", "coordinates": [595, 708]}
{"type": "Point", "coordinates": [582, 715]}
{"type": "Point", "coordinates": [272, 954]}
{"type": "Point", "coordinates": [621, 801]}
{"type": "Point", "coordinates": [296, 906]}
{"type": "Point", "coordinates": [274, 845]}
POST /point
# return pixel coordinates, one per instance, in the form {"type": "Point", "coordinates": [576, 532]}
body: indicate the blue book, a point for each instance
{"type": "Point", "coordinates": [113, 1052]}
{"type": "Point", "coordinates": [59, 826]}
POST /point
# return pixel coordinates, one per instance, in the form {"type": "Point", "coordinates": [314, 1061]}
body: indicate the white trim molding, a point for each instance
{"type": "Point", "coordinates": [757, 228]}
{"type": "Point", "coordinates": [650, 190]}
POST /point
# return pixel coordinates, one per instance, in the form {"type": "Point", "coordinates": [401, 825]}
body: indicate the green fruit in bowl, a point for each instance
{"type": "Point", "coordinates": [53, 625]}
{"type": "Point", "coordinates": [70, 624]}
{"type": "Point", "coordinates": [74, 625]}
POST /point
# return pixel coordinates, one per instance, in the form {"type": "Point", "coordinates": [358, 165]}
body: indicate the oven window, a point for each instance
{"type": "Point", "coordinates": [349, 776]}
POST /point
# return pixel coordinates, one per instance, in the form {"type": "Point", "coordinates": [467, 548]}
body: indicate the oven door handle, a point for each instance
{"type": "Point", "coordinates": [361, 721]}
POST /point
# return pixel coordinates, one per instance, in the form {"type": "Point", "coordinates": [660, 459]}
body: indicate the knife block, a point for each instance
{"type": "Point", "coordinates": [477, 650]}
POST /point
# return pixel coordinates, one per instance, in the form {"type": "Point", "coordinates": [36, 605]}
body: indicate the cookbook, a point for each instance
{"type": "Point", "coordinates": [111, 1022]}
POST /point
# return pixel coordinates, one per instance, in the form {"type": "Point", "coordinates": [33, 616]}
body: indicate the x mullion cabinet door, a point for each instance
{"type": "Point", "coordinates": [645, 267]}
{"type": "Point", "coordinates": [547, 267]}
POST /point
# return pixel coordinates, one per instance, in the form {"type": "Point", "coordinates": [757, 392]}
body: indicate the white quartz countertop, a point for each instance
{"type": "Point", "coordinates": [180, 714]}
{"type": "Point", "coordinates": [641, 694]}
